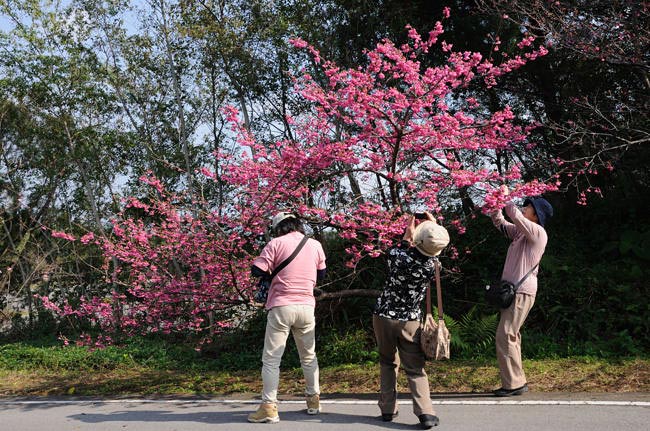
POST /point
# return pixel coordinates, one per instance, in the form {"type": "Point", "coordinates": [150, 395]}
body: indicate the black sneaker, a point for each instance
{"type": "Point", "coordinates": [388, 417]}
{"type": "Point", "coordinates": [502, 392]}
{"type": "Point", "coordinates": [428, 421]}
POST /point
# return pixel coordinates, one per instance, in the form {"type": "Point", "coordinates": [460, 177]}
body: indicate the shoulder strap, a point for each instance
{"type": "Point", "coordinates": [438, 291]}
{"type": "Point", "coordinates": [288, 260]}
{"type": "Point", "coordinates": [525, 277]}
{"type": "Point", "coordinates": [428, 298]}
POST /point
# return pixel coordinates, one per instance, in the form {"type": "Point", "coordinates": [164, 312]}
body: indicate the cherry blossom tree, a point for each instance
{"type": "Point", "coordinates": [381, 140]}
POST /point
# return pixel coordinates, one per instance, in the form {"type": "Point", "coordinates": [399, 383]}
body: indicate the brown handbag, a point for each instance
{"type": "Point", "coordinates": [434, 336]}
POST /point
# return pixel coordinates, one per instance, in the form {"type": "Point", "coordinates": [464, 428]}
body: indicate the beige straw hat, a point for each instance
{"type": "Point", "coordinates": [430, 238]}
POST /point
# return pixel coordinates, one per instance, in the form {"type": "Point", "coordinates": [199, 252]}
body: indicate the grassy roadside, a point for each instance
{"type": "Point", "coordinates": [150, 367]}
{"type": "Point", "coordinates": [579, 374]}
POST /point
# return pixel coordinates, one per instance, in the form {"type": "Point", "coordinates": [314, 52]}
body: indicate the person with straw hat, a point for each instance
{"type": "Point", "coordinates": [396, 319]}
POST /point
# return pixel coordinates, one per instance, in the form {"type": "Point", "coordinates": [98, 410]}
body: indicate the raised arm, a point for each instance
{"type": "Point", "coordinates": [529, 228]}
{"type": "Point", "coordinates": [507, 228]}
{"type": "Point", "coordinates": [520, 224]}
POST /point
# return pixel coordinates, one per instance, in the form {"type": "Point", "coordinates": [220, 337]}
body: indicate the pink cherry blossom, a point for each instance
{"type": "Point", "coordinates": [63, 235]}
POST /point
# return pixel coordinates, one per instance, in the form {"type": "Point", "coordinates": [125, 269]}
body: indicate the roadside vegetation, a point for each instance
{"type": "Point", "coordinates": [587, 331]}
{"type": "Point", "coordinates": [147, 367]}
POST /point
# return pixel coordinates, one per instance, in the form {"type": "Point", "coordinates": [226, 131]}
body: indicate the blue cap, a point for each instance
{"type": "Point", "coordinates": [543, 209]}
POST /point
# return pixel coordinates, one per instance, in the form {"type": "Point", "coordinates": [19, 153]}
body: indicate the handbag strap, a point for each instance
{"type": "Point", "coordinates": [438, 291]}
{"type": "Point", "coordinates": [428, 309]}
{"type": "Point", "coordinates": [525, 277]}
{"type": "Point", "coordinates": [288, 260]}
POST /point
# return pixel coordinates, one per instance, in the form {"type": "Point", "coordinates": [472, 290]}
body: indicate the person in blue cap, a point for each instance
{"type": "Point", "coordinates": [528, 235]}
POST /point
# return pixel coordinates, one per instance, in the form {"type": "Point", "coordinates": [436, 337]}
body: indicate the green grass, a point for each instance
{"type": "Point", "coordinates": [145, 367]}
{"type": "Point", "coordinates": [155, 355]}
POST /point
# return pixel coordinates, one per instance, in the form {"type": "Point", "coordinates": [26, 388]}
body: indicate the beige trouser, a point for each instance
{"type": "Point", "coordinates": [395, 336]}
{"type": "Point", "coordinates": [508, 340]}
{"type": "Point", "coordinates": [299, 319]}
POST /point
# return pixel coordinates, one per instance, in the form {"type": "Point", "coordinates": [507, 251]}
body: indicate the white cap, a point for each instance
{"type": "Point", "coordinates": [279, 217]}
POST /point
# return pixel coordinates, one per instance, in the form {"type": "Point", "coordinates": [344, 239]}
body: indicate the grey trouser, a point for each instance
{"type": "Point", "coordinates": [395, 336]}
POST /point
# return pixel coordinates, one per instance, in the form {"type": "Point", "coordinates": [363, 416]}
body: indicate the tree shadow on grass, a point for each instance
{"type": "Point", "coordinates": [149, 383]}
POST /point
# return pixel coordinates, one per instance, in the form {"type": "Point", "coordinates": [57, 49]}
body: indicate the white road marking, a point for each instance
{"type": "Point", "coordinates": [326, 401]}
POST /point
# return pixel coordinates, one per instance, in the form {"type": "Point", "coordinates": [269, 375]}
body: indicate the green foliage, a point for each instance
{"type": "Point", "coordinates": [538, 345]}
{"type": "Point", "coordinates": [333, 347]}
{"type": "Point", "coordinates": [227, 352]}
{"type": "Point", "coordinates": [593, 287]}
{"type": "Point", "coordinates": [472, 335]}
{"type": "Point", "coordinates": [634, 243]}
{"type": "Point", "coordinates": [153, 354]}
{"type": "Point", "coordinates": [354, 346]}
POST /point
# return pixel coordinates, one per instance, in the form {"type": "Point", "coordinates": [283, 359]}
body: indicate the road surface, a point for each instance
{"type": "Point", "coordinates": [458, 412]}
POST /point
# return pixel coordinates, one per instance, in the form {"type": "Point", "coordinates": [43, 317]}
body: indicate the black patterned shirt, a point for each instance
{"type": "Point", "coordinates": [409, 273]}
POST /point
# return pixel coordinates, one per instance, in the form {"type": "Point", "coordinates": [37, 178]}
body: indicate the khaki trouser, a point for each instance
{"type": "Point", "coordinates": [298, 319]}
{"type": "Point", "coordinates": [508, 341]}
{"type": "Point", "coordinates": [393, 337]}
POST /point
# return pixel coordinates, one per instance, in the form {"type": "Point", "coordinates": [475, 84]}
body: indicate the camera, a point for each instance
{"type": "Point", "coordinates": [420, 216]}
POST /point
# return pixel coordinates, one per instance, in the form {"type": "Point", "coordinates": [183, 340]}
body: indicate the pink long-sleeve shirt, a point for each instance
{"type": "Point", "coordinates": [526, 249]}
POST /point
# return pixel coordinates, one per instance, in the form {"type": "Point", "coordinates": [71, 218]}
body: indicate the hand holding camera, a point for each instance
{"type": "Point", "coordinates": [424, 216]}
{"type": "Point", "coordinates": [421, 216]}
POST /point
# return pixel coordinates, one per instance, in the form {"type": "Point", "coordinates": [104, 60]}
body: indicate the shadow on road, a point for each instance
{"type": "Point", "coordinates": [233, 417]}
{"type": "Point", "coordinates": [403, 396]}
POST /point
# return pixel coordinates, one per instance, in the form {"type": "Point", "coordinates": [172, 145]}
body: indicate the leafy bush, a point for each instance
{"type": "Point", "coordinates": [472, 335]}
{"type": "Point", "coordinates": [351, 347]}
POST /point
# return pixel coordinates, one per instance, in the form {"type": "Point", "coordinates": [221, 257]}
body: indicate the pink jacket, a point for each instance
{"type": "Point", "coordinates": [526, 249]}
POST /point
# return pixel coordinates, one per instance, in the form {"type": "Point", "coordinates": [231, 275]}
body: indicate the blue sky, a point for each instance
{"type": "Point", "coordinates": [5, 23]}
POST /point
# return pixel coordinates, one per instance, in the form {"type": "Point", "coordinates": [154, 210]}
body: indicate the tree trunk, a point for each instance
{"type": "Point", "coordinates": [176, 82]}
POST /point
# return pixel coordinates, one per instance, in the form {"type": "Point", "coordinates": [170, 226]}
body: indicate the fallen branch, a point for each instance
{"type": "Point", "coordinates": [324, 296]}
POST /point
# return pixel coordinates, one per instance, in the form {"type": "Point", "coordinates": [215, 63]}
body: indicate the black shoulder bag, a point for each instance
{"type": "Point", "coordinates": [503, 292]}
{"type": "Point", "coordinates": [264, 284]}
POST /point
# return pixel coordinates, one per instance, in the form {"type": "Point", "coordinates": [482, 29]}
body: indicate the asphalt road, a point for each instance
{"type": "Point", "coordinates": [458, 412]}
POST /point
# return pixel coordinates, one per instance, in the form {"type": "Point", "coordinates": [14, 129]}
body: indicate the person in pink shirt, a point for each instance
{"type": "Point", "coordinates": [528, 236]}
{"type": "Point", "coordinates": [290, 305]}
